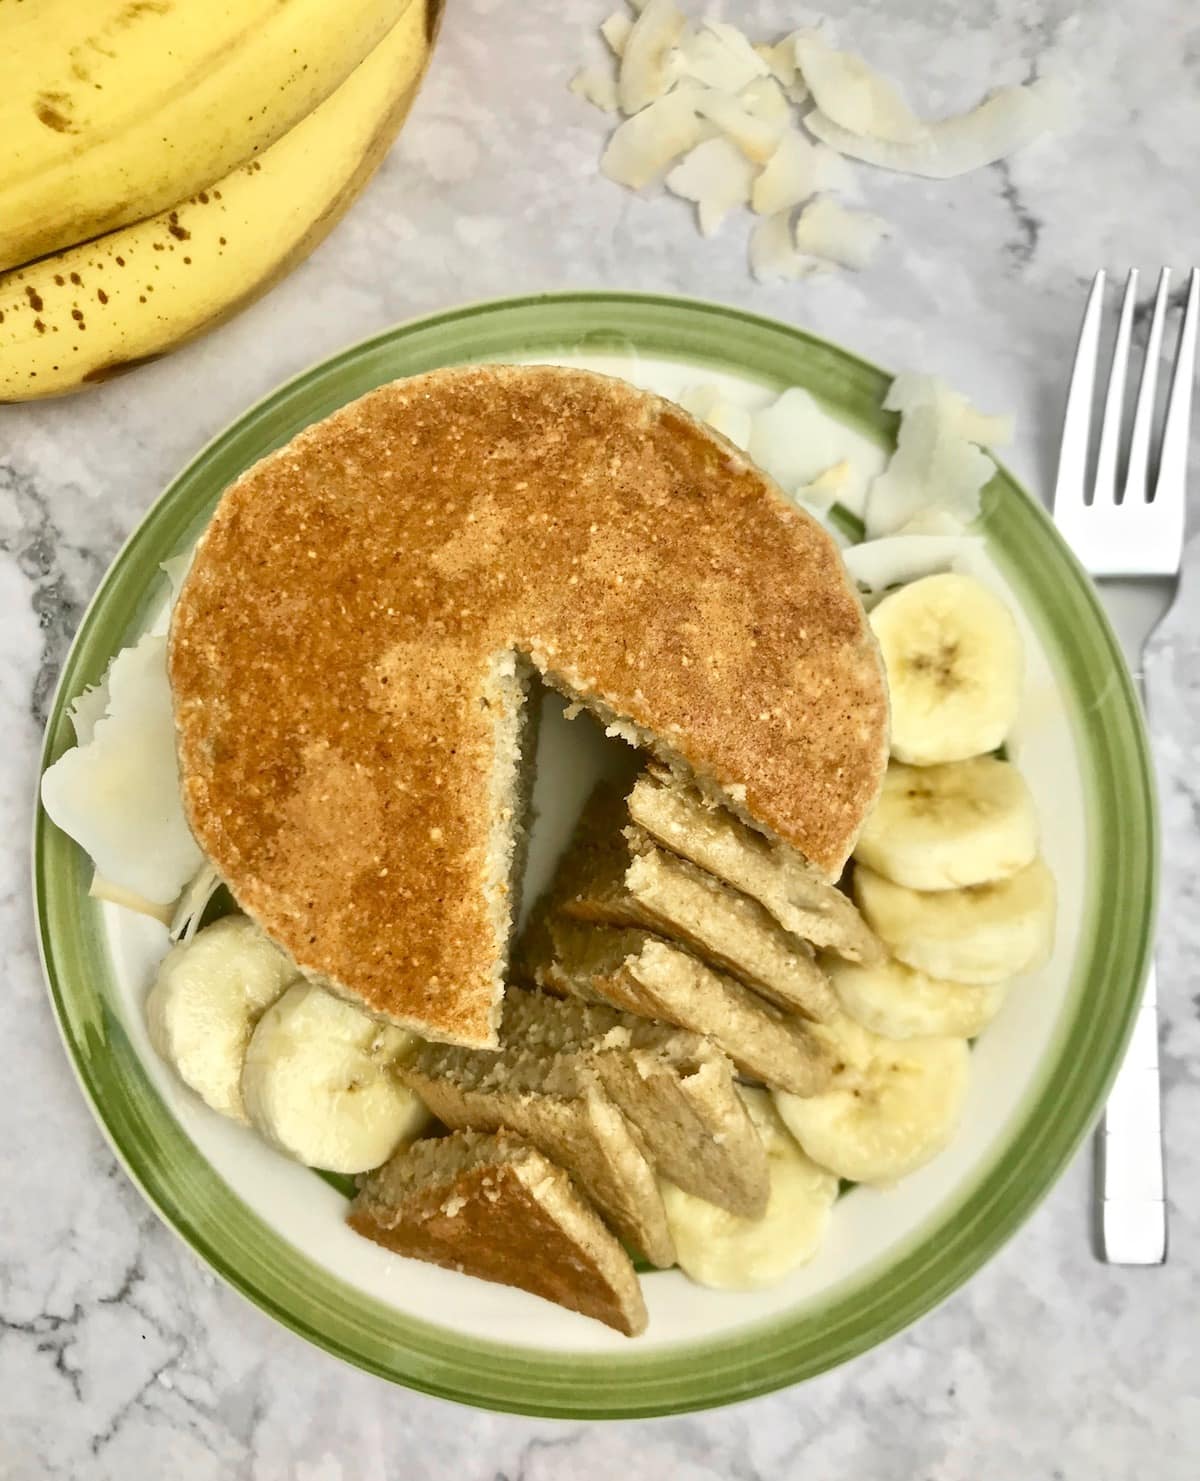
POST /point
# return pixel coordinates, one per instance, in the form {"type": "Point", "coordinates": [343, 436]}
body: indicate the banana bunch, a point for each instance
{"type": "Point", "coordinates": [947, 873]}
{"type": "Point", "coordinates": [312, 1075]}
{"type": "Point", "coordinates": [165, 164]}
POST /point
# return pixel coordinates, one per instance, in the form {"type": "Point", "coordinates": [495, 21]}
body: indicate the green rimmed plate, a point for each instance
{"type": "Point", "coordinates": [274, 1231]}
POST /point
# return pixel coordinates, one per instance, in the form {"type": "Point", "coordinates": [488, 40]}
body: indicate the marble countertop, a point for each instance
{"type": "Point", "coordinates": [120, 1355]}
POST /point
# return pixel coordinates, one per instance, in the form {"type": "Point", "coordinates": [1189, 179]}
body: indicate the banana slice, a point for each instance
{"type": "Point", "coordinates": [319, 1082]}
{"type": "Point", "coordinates": [901, 1003]}
{"type": "Point", "coordinates": [954, 664]}
{"type": "Point", "coordinates": [720, 1249]}
{"type": "Point", "coordinates": [945, 827]}
{"type": "Point", "coordinates": [984, 934]}
{"type": "Point", "coordinates": [206, 999]}
{"type": "Point", "coordinates": [893, 1105]}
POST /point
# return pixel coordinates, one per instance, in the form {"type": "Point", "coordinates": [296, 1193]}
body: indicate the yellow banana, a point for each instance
{"type": "Point", "coordinates": [111, 110]}
{"type": "Point", "coordinates": [86, 313]}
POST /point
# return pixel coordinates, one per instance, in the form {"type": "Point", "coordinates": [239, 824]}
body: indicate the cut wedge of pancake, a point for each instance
{"type": "Point", "coordinates": [652, 978]}
{"type": "Point", "coordinates": [783, 882]}
{"type": "Point", "coordinates": [496, 1208]}
{"type": "Point", "coordinates": [675, 1087]}
{"type": "Point", "coordinates": [348, 655]}
{"type": "Point", "coordinates": [618, 877]}
{"type": "Point", "coordinates": [565, 1114]}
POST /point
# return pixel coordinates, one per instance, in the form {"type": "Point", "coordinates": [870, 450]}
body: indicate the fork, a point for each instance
{"type": "Point", "coordinates": [1131, 543]}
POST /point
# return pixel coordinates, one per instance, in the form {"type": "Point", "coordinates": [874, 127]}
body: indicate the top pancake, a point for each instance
{"type": "Point", "coordinates": [334, 649]}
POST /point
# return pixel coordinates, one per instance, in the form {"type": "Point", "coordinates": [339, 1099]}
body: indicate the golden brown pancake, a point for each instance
{"type": "Point", "coordinates": [341, 662]}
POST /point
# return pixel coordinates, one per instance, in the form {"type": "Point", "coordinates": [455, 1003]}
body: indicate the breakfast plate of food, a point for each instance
{"type": "Point", "coordinates": [597, 853]}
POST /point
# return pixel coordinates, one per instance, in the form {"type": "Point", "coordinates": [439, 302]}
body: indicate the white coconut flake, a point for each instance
{"type": "Point", "coordinates": [647, 62]}
{"type": "Point", "coordinates": [911, 389]}
{"type": "Point", "coordinates": [829, 231]}
{"type": "Point", "coordinates": [933, 467]}
{"type": "Point", "coordinates": [104, 889]}
{"type": "Point", "coordinates": [706, 403]}
{"type": "Point", "coordinates": [781, 63]}
{"type": "Point", "coordinates": [596, 85]}
{"type": "Point", "coordinates": [733, 422]}
{"type": "Point", "coordinates": [717, 176]}
{"type": "Point", "coordinates": [646, 144]}
{"type": "Point", "coordinates": [773, 252]}
{"type": "Point", "coordinates": [615, 29]}
{"type": "Point", "coordinates": [188, 913]}
{"type": "Point", "coordinates": [797, 170]}
{"type": "Point", "coordinates": [719, 55]}
{"type": "Point", "coordinates": [828, 486]}
{"type": "Point", "coordinates": [756, 137]}
{"type": "Point", "coordinates": [877, 565]}
{"type": "Point", "coordinates": [118, 795]}
{"type": "Point", "coordinates": [699, 400]}
{"type": "Point", "coordinates": [765, 99]}
{"type": "Point", "coordinates": [1006, 122]}
{"type": "Point", "coordinates": [795, 441]}
{"type": "Point", "coordinates": [87, 709]}
{"type": "Point", "coordinates": [853, 95]}
{"type": "Point", "coordinates": [781, 58]}
{"type": "Point", "coordinates": [175, 570]}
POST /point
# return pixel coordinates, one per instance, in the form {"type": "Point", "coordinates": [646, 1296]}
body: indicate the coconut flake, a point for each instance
{"type": "Point", "coordinates": [647, 62]}
{"type": "Point", "coordinates": [707, 405]}
{"type": "Point", "coordinates": [765, 99]}
{"type": "Point", "coordinates": [756, 137]}
{"type": "Point", "coordinates": [797, 170]}
{"type": "Point", "coordinates": [773, 252]}
{"type": "Point", "coordinates": [1006, 122]}
{"type": "Point", "coordinates": [782, 60]}
{"type": "Point", "coordinates": [86, 710]}
{"type": "Point", "coordinates": [104, 889]}
{"type": "Point", "coordinates": [828, 485]}
{"type": "Point", "coordinates": [644, 145]}
{"type": "Point", "coordinates": [175, 569]}
{"type": "Point", "coordinates": [118, 795]}
{"type": "Point", "coordinates": [596, 85]}
{"type": "Point", "coordinates": [828, 231]}
{"type": "Point", "coordinates": [717, 176]}
{"type": "Point", "coordinates": [795, 441]}
{"type": "Point", "coordinates": [186, 918]}
{"type": "Point", "coordinates": [911, 389]}
{"type": "Point", "coordinates": [853, 95]}
{"type": "Point", "coordinates": [877, 565]}
{"type": "Point", "coordinates": [719, 55]}
{"type": "Point", "coordinates": [933, 466]}
{"type": "Point", "coordinates": [615, 29]}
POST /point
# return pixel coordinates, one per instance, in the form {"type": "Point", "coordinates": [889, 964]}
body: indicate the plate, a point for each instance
{"type": "Point", "coordinates": [273, 1230]}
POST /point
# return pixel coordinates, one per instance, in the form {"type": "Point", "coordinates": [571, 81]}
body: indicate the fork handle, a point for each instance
{"type": "Point", "coordinates": [1133, 1222]}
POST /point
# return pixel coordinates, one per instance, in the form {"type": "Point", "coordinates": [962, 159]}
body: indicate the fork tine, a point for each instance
{"type": "Point", "coordinates": [1104, 485]}
{"type": "Point", "coordinates": [1170, 488]}
{"type": "Point", "coordinates": [1071, 483]}
{"type": "Point", "coordinates": [1143, 417]}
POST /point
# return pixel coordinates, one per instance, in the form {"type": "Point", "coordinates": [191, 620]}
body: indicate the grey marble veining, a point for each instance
{"type": "Point", "coordinates": [120, 1355]}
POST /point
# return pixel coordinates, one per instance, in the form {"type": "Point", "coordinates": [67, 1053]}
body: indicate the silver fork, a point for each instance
{"type": "Point", "coordinates": [1131, 542]}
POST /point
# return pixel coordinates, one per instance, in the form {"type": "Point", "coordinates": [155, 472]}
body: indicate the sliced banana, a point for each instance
{"type": "Point", "coordinates": [206, 999]}
{"type": "Point", "coordinates": [319, 1082]}
{"type": "Point", "coordinates": [945, 827]}
{"type": "Point", "coordinates": [954, 665]}
{"type": "Point", "coordinates": [984, 934]}
{"type": "Point", "coordinates": [892, 1106]}
{"type": "Point", "coordinates": [720, 1249]}
{"type": "Point", "coordinates": [901, 1003]}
